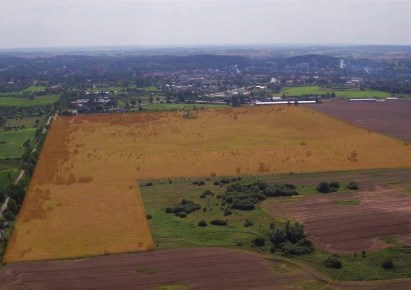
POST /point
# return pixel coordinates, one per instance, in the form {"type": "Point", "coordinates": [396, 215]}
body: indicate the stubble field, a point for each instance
{"type": "Point", "coordinates": [83, 198]}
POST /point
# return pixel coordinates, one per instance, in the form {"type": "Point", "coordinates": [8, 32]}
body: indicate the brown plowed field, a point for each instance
{"type": "Point", "coordinates": [83, 200]}
{"type": "Point", "coordinates": [196, 268]}
{"type": "Point", "coordinates": [346, 228]}
{"type": "Point", "coordinates": [391, 117]}
{"type": "Point", "coordinates": [200, 268]}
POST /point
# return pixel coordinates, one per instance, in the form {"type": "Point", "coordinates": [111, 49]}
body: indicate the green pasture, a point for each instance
{"type": "Point", "coordinates": [6, 177]}
{"type": "Point", "coordinates": [317, 90]}
{"type": "Point", "coordinates": [34, 89]}
{"type": "Point", "coordinates": [11, 142]}
{"type": "Point", "coordinates": [26, 102]}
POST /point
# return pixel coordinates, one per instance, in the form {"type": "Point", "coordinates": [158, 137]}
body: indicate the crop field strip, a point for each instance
{"type": "Point", "coordinates": [317, 90]}
{"type": "Point", "coordinates": [26, 102]}
{"type": "Point", "coordinates": [82, 199]}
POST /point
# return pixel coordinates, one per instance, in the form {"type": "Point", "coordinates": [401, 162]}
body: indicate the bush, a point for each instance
{"type": "Point", "coordinates": [259, 242]}
{"type": "Point", "coordinates": [184, 206]}
{"type": "Point", "coordinates": [353, 186]}
{"type": "Point", "coordinates": [225, 181]}
{"type": "Point", "coordinates": [323, 187]}
{"type": "Point", "coordinates": [296, 249]}
{"type": "Point", "coordinates": [12, 206]}
{"type": "Point", "coordinates": [333, 261]}
{"type": "Point", "coordinates": [181, 214]}
{"type": "Point", "coordinates": [227, 212]}
{"type": "Point", "coordinates": [248, 223]}
{"type": "Point", "coordinates": [388, 264]}
{"type": "Point", "coordinates": [218, 223]}
{"type": "Point", "coordinates": [244, 204]}
{"type": "Point", "coordinates": [199, 183]}
{"type": "Point", "coordinates": [149, 184]}
{"type": "Point", "coordinates": [202, 224]}
{"type": "Point", "coordinates": [334, 184]}
{"type": "Point", "coordinates": [216, 183]}
{"type": "Point", "coordinates": [149, 216]}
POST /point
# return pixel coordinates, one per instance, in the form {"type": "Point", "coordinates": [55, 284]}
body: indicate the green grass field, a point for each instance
{"type": "Point", "coordinates": [170, 231]}
{"type": "Point", "coordinates": [305, 90]}
{"type": "Point", "coordinates": [34, 89]}
{"type": "Point", "coordinates": [362, 94]}
{"type": "Point", "coordinates": [317, 90]}
{"type": "Point", "coordinates": [25, 102]}
{"type": "Point", "coordinates": [29, 122]}
{"type": "Point", "coordinates": [6, 177]}
{"type": "Point", "coordinates": [11, 142]}
{"type": "Point", "coordinates": [368, 268]}
{"type": "Point", "coordinates": [150, 89]}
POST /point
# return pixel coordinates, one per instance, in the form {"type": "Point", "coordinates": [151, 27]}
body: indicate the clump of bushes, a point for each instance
{"type": "Point", "coordinates": [199, 183]}
{"type": "Point", "coordinates": [183, 208]}
{"type": "Point", "coordinates": [333, 261]}
{"type": "Point", "coordinates": [202, 224]}
{"type": "Point", "coordinates": [225, 181]}
{"type": "Point", "coordinates": [353, 186]}
{"type": "Point", "coordinates": [291, 240]}
{"type": "Point", "coordinates": [388, 264]}
{"type": "Point", "coordinates": [325, 187]}
{"type": "Point", "coordinates": [245, 197]}
{"type": "Point", "coordinates": [248, 223]}
{"type": "Point", "coordinates": [218, 222]}
{"type": "Point", "coordinates": [206, 193]}
{"type": "Point", "coordinates": [259, 242]}
{"type": "Point", "coordinates": [181, 214]}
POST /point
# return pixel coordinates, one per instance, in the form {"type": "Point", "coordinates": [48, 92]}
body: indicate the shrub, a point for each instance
{"type": "Point", "coordinates": [244, 204]}
{"type": "Point", "coordinates": [227, 212]}
{"type": "Point", "coordinates": [181, 214]}
{"type": "Point", "coordinates": [333, 261]}
{"type": "Point", "coordinates": [323, 187]}
{"type": "Point", "coordinates": [353, 186]}
{"type": "Point", "coordinates": [295, 249]}
{"type": "Point", "coordinates": [184, 206]}
{"type": "Point", "coordinates": [12, 206]}
{"type": "Point", "coordinates": [334, 184]}
{"type": "Point", "coordinates": [388, 264]}
{"type": "Point", "coordinates": [225, 181]}
{"type": "Point", "coordinates": [218, 223]}
{"type": "Point", "coordinates": [199, 183]}
{"type": "Point", "coordinates": [202, 224]}
{"type": "Point", "coordinates": [216, 183]}
{"type": "Point", "coordinates": [149, 216]}
{"type": "Point", "coordinates": [259, 242]}
{"type": "Point", "coordinates": [248, 223]}
{"type": "Point", "coordinates": [149, 184]}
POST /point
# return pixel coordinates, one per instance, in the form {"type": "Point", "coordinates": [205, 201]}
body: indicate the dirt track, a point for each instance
{"type": "Point", "coordinates": [391, 118]}
{"type": "Point", "coordinates": [340, 228]}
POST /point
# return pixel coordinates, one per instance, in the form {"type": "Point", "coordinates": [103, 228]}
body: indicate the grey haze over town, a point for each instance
{"type": "Point", "coordinates": [74, 23]}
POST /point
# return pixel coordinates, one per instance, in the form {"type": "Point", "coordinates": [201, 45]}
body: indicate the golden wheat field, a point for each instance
{"type": "Point", "coordinates": [83, 199]}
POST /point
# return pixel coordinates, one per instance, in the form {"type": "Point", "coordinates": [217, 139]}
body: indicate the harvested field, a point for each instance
{"type": "Point", "coordinates": [210, 268]}
{"type": "Point", "coordinates": [83, 201]}
{"type": "Point", "coordinates": [391, 118]}
{"type": "Point", "coordinates": [353, 221]}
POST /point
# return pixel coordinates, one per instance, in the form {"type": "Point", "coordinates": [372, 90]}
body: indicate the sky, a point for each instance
{"type": "Point", "coordinates": [83, 23]}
